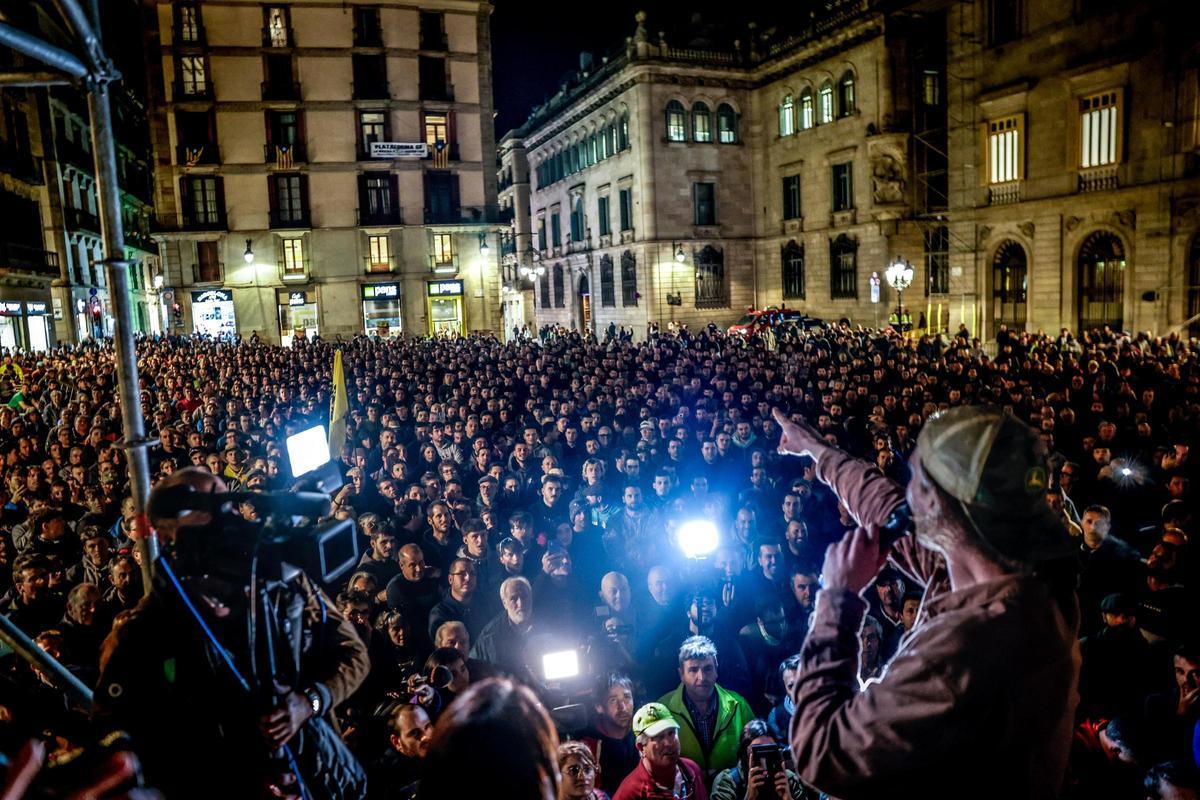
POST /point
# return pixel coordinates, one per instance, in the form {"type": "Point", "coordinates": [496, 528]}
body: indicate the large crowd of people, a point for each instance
{"type": "Point", "coordinates": [523, 500]}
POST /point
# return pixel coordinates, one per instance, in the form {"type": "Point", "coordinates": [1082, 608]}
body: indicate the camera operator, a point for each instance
{"type": "Point", "coordinates": [173, 685]}
{"type": "Point", "coordinates": [994, 657]}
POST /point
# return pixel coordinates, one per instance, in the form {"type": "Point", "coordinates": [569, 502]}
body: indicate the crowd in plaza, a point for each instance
{"type": "Point", "coordinates": [522, 499]}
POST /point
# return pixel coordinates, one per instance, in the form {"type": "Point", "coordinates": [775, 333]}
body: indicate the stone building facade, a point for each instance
{"type": "Point", "coordinates": [1032, 163]}
{"type": "Point", "coordinates": [1074, 174]}
{"type": "Point", "coordinates": [321, 168]}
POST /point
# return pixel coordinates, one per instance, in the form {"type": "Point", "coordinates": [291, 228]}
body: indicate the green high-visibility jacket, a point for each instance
{"type": "Point", "coordinates": [733, 712]}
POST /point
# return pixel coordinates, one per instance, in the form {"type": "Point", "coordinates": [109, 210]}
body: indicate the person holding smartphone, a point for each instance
{"type": "Point", "coordinates": [760, 773]}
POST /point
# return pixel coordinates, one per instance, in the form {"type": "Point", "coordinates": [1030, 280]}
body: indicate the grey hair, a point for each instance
{"type": "Point", "coordinates": [695, 648]}
{"type": "Point", "coordinates": [871, 622]}
{"type": "Point", "coordinates": [519, 579]}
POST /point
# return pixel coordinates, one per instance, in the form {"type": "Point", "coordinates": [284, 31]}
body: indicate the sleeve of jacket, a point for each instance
{"type": "Point", "coordinates": [870, 498]}
{"type": "Point", "coordinates": [847, 740]}
{"type": "Point", "coordinates": [346, 661]}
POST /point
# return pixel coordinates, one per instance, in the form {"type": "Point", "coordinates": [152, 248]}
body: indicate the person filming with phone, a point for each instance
{"type": "Point", "coordinates": [759, 773]}
{"type": "Point", "coordinates": [980, 697]}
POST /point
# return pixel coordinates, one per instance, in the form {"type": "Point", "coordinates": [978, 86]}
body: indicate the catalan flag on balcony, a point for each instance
{"type": "Point", "coordinates": [283, 156]}
{"type": "Point", "coordinates": [193, 155]}
{"type": "Point", "coordinates": [441, 155]}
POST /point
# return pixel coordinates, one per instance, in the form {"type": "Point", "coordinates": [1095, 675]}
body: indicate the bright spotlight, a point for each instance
{"type": "Point", "coordinates": [1126, 471]}
{"type": "Point", "coordinates": [697, 538]}
{"type": "Point", "coordinates": [307, 450]}
{"type": "Point", "coordinates": [561, 665]}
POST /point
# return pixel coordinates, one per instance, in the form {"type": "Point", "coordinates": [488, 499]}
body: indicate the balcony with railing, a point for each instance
{"type": "Point", "coordinates": [298, 218]}
{"type": "Point", "coordinates": [368, 36]}
{"type": "Point", "coordinates": [443, 265]}
{"type": "Point", "coordinates": [197, 154]}
{"type": "Point", "coordinates": [1000, 194]}
{"type": "Point", "coordinates": [434, 41]}
{"type": "Point", "coordinates": [278, 38]}
{"type": "Point", "coordinates": [371, 90]}
{"type": "Point", "coordinates": [208, 220]}
{"type": "Point", "coordinates": [374, 265]}
{"type": "Point", "coordinates": [1098, 179]}
{"type": "Point", "coordinates": [505, 215]}
{"type": "Point", "coordinates": [390, 216]}
{"type": "Point", "coordinates": [454, 216]}
{"type": "Point", "coordinates": [191, 93]}
{"type": "Point", "coordinates": [285, 156]}
{"type": "Point", "coordinates": [273, 91]}
{"type": "Point", "coordinates": [80, 219]}
{"type": "Point", "coordinates": [25, 258]}
{"type": "Point", "coordinates": [443, 92]}
{"type": "Point", "coordinates": [508, 246]}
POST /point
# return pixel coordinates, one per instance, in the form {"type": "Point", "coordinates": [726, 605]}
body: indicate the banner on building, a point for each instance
{"type": "Point", "coordinates": [399, 150]}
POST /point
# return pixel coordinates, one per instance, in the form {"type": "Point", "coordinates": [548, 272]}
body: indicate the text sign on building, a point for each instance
{"type": "Point", "coordinates": [213, 296]}
{"type": "Point", "coordinates": [381, 291]}
{"type": "Point", "coordinates": [35, 309]}
{"type": "Point", "coordinates": [399, 150]}
{"type": "Point", "coordinates": [297, 298]}
{"type": "Point", "coordinates": [11, 308]}
{"type": "Point", "coordinates": [445, 288]}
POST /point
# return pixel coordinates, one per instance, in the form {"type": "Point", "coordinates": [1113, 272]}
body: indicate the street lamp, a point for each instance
{"type": "Point", "coordinates": [249, 254]}
{"type": "Point", "coordinates": [899, 276]}
{"type": "Point", "coordinates": [680, 256]}
{"type": "Point", "coordinates": [534, 271]}
{"type": "Point", "coordinates": [483, 245]}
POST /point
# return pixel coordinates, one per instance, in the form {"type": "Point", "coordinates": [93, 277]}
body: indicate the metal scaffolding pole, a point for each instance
{"type": "Point", "coordinates": [96, 73]}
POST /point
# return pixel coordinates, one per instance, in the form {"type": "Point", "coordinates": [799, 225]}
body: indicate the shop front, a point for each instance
{"type": "Point", "coordinates": [297, 315]}
{"type": "Point", "coordinates": [445, 306]}
{"type": "Point", "coordinates": [37, 317]}
{"type": "Point", "coordinates": [212, 313]}
{"type": "Point", "coordinates": [381, 309]}
{"type": "Point", "coordinates": [12, 335]}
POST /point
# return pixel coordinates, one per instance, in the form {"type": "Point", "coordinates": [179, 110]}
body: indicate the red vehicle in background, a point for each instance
{"type": "Point", "coordinates": [756, 321]}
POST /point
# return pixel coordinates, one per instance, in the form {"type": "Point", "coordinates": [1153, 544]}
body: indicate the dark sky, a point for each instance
{"type": "Point", "coordinates": [535, 43]}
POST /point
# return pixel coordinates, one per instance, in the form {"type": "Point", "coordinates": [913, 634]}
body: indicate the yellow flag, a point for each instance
{"type": "Point", "coordinates": [339, 407]}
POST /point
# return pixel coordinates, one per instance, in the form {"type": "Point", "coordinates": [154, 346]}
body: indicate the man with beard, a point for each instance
{"type": "Point", "coordinates": [1001, 631]}
{"type": "Point", "coordinates": [610, 738]}
{"type": "Point", "coordinates": [394, 775]}
{"type": "Point", "coordinates": [661, 771]}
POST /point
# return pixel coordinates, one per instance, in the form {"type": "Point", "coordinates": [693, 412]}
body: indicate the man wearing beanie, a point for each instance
{"type": "Point", "coordinates": [980, 698]}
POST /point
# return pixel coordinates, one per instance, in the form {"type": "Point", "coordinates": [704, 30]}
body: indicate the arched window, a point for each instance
{"type": "Point", "coordinates": [545, 281]}
{"type": "Point", "coordinates": [701, 123]}
{"type": "Point", "coordinates": [593, 149]}
{"type": "Point", "coordinates": [727, 124]}
{"type": "Point", "coordinates": [1193, 289]}
{"type": "Point", "coordinates": [1010, 271]}
{"type": "Point", "coordinates": [843, 268]}
{"type": "Point", "coordinates": [825, 103]}
{"type": "Point", "coordinates": [676, 122]}
{"type": "Point", "coordinates": [792, 258]}
{"type": "Point", "coordinates": [1101, 282]}
{"type": "Point", "coordinates": [560, 292]}
{"type": "Point", "coordinates": [710, 278]}
{"type": "Point", "coordinates": [846, 95]}
{"type": "Point", "coordinates": [623, 132]}
{"type": "Point", "coordinates": [602, 143]}
{"type": "Point", "coordinates": [607, 293]}
{"type": "Point", "coordinates": [787, 116]}
{"type": "Point", "coordinates": [806, 110]}
{"type": "Point", "coordinates": [629, 292]}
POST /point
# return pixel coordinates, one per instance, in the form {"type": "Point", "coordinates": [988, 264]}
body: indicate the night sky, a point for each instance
{"type": "Point", "coordinates": [536, 43]}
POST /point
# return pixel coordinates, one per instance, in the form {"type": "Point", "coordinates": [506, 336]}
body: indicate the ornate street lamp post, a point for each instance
{"type": "Point", "coordinates": [899, 276]}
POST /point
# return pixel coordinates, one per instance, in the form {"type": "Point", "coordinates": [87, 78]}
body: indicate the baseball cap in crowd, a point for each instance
{"type": "Point", "coordinates": [995, 465]}
{"type": "Point", "coordinates": [653, 719]}
{"type": "Point", "coordinates": [646, 425]}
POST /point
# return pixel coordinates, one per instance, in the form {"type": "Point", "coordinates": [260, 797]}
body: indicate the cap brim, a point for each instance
{"type": "Point", "coordinates": [660, 726]}
{"type": "Point", "coordinates": [1033, 538]}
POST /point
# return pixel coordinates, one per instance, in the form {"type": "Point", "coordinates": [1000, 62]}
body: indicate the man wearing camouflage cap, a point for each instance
{"type": "Point", "coordinates": [661, 772]}
{"type": "Point", "coordinates": [980, 697]}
